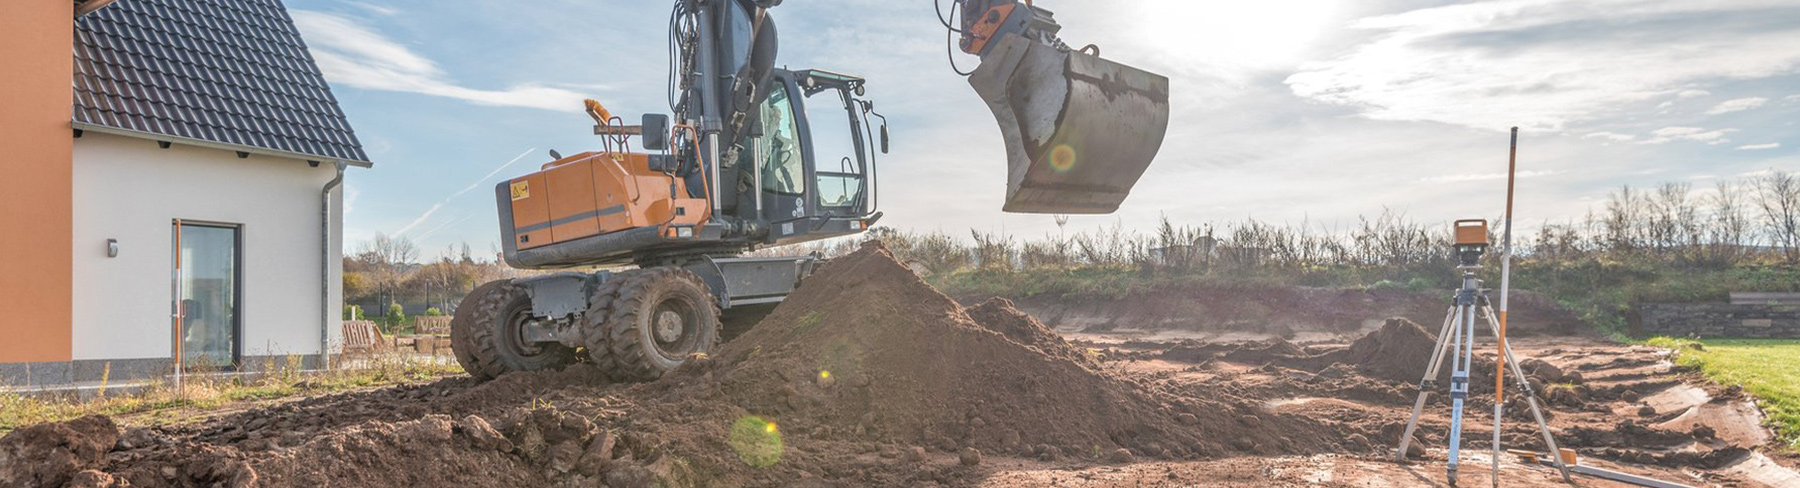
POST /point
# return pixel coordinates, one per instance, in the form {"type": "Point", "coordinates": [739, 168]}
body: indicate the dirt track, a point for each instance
{"type": "Point", "coordinates": [868, 376]}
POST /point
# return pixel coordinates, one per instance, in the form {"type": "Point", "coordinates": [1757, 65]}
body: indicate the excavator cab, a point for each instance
{"type": "Point", "coordinates": [812, 149]}
{"type": "Point", "coordinates": [805, 167]}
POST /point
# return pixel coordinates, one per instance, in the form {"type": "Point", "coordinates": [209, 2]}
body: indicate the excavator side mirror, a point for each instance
{"type": "Point", "coordinates": [655, 132]}
{"type": "Point", "coordinates": [884, 138]}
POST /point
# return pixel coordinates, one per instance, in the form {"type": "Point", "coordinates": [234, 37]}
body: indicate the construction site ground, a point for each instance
{"type": "Point", "coordinates": [868, 376]}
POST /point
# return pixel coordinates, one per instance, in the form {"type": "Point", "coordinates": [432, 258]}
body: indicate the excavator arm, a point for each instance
{"type": "Point", "coordinates": [1079, 130]}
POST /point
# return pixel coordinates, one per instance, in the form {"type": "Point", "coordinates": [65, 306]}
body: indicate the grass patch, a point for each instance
{"type": "Point", "coordinates": [164, 403]}
{"type": "Point", "coordinates": [1767, 368]}
{"type": "Point", "coordinates": [808, 322]}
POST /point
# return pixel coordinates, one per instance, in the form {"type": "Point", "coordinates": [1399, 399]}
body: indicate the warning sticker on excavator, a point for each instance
{"type": "Point", "coordinates": [521, 190]}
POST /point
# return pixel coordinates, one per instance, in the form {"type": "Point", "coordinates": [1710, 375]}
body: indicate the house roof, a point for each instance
{"type": "Point", "coordinates": [232, 74]}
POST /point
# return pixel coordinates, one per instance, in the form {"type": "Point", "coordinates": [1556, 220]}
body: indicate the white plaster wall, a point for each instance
{"type": "Point", "coordinates": [131, 190]}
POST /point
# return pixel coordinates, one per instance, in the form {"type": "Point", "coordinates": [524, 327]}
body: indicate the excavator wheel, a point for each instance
{"type": "Point", "coordinates": [487, 334]}
{"type": "Point", "coordinates": [596, 336]}
{"type": "Point", "coordinates": [662, 317]}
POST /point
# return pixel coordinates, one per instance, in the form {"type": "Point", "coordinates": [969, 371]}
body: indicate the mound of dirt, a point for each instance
{"type": "Point", "coordinates": [999, 314]}
{"type": "Point", "coordinates": [867, 350]}
{"type": "Point", "coordinates": [1398, 351]}
{"type": "Point", "coordinates": [1273, 350]}
{"type": "Point", "coordinates": [51, 454]}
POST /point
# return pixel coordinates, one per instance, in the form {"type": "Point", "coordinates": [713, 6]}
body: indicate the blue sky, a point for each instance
{"type": "Point", "coordinates": [1282, 110]}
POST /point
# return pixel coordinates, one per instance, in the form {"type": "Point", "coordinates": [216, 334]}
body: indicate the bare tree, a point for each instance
{"type": "Point", "coordinates": [1624, 219]}
{"type": "Point", "coordinates": [1673, 223]}
{"type": "Point", "coordinates": [1778, 195]}
{"type": "Point", "coordinates": [1730, 228]}
{"type": "Point", "coordinates": [388, 250]}
{"type": "Point", "coordinates": [389, 261]}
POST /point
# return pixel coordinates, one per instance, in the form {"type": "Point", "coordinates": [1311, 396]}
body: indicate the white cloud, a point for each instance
{"type": "Point", "coordinates": [1543, 63]}
{"type": "Point", "coordinates": [1693, 134]}
{"type": "Point", "coordinates": [1756, 147]}
{"type": "Point", "coordinates": [351, 54]}
{"type": "Point", "coordinates": [1692, 93]}
{"type": "Point", "coordinates": [472, 186]}
{"type": "Point", "coordinates": [445, 225]}
{"type": "Point", "coordinates": [381, 10]}
{"type": "Point", "coordinates": [1737, 105]}
{"type": "Point", "coordinates": [1485, 176]}
{"type": "Point", "coordinates": [1791, 98]}
{"type": "Point", "coordinates": [1610, 136]}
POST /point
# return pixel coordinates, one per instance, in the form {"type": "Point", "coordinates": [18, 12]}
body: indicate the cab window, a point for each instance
{"type": "Point", "coordinates": [839, 172]}
{"type": "Point", "coordinates": [783, 168]}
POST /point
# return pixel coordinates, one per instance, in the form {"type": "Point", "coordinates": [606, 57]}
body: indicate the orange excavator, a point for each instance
{"type": "Point", "coordinates": [743, 160]}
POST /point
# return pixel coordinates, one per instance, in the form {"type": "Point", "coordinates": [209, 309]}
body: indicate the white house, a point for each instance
{"type": "Point", "coordinates": [188, 157]}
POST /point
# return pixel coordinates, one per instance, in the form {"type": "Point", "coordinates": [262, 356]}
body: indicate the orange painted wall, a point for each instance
{"type": "Point", "coordinates": [36, 72]}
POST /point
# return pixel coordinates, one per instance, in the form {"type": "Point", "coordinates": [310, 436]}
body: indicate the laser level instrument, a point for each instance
{"type": "Point", "coordinates": [1457, 336]}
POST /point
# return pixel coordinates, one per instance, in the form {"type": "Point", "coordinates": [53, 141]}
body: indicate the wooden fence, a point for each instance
{"type": "Point", "coordinates": [362, 336]}
{"type": "Point", "coordinates": [432, 325]}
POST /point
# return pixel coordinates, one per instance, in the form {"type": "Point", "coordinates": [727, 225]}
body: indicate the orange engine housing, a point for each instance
{"type": "Point", "coordinates": [596, 193]}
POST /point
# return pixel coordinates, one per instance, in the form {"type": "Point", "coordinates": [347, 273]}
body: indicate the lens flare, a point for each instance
{"type": "Point", "coordinates": [756, 440]}
{"type": "Point", "coordinates": [1062, 157]}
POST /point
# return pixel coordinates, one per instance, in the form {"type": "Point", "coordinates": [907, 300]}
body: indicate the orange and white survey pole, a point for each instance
{"type": "Point", "coordinates": [1512, 165]}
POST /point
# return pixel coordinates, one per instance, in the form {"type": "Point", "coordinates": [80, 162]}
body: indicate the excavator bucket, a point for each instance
{"type": "Point", "coordinates": [1079, 129]}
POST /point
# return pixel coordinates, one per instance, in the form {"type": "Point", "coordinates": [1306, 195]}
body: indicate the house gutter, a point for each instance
{"type": "Point", "coordinates": [325, 308]}
{"type": "Point", "coordinates": [102, 129]}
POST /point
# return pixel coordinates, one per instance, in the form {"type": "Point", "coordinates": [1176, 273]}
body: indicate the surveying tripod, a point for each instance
{"type": "Point", "coordinates": [1457, 335]}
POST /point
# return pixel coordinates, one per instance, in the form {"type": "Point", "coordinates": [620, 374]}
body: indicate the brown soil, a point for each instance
{"type": "Point", "coordinates": [912, 366]}
{"type": "Point", "coordinates": [869, 377]}
{"type": "Point", "coordinates": [51, 454]}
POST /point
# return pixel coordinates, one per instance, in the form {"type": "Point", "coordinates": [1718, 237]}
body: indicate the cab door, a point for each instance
{"type": "Point", "coordinates": [784, 159]}
{"type": "Point", "coordinates": [836, 138]}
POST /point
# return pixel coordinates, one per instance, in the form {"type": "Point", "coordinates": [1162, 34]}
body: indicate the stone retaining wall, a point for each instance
{"type": "Point", "coordinates": [1710, 320]}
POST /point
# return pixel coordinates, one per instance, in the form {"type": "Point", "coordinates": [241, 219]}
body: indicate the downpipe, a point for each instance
{"type": "Point", "coordinates": [325, 309]}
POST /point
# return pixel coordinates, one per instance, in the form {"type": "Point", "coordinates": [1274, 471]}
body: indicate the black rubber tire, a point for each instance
{"type": "Point", "coordinates": [595, 333]}
{"type": "Point", "coordinates": [644, 298]}
{"type": "Point", "coordinates": [492, 343]}
{"type": "Point", "coordinates": [460, 330]}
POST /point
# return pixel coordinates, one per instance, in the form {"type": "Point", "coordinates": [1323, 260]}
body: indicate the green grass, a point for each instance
{"type": "Point", "coordinates": [163, 403]}
{"type": "Point", "coordinates": [1766, 368]}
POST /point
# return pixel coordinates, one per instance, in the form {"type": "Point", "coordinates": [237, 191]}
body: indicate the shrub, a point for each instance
{"type": "Point", "coordinates": [396, 316]}
{"type": "Point", "coordinates": [433, 312]}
